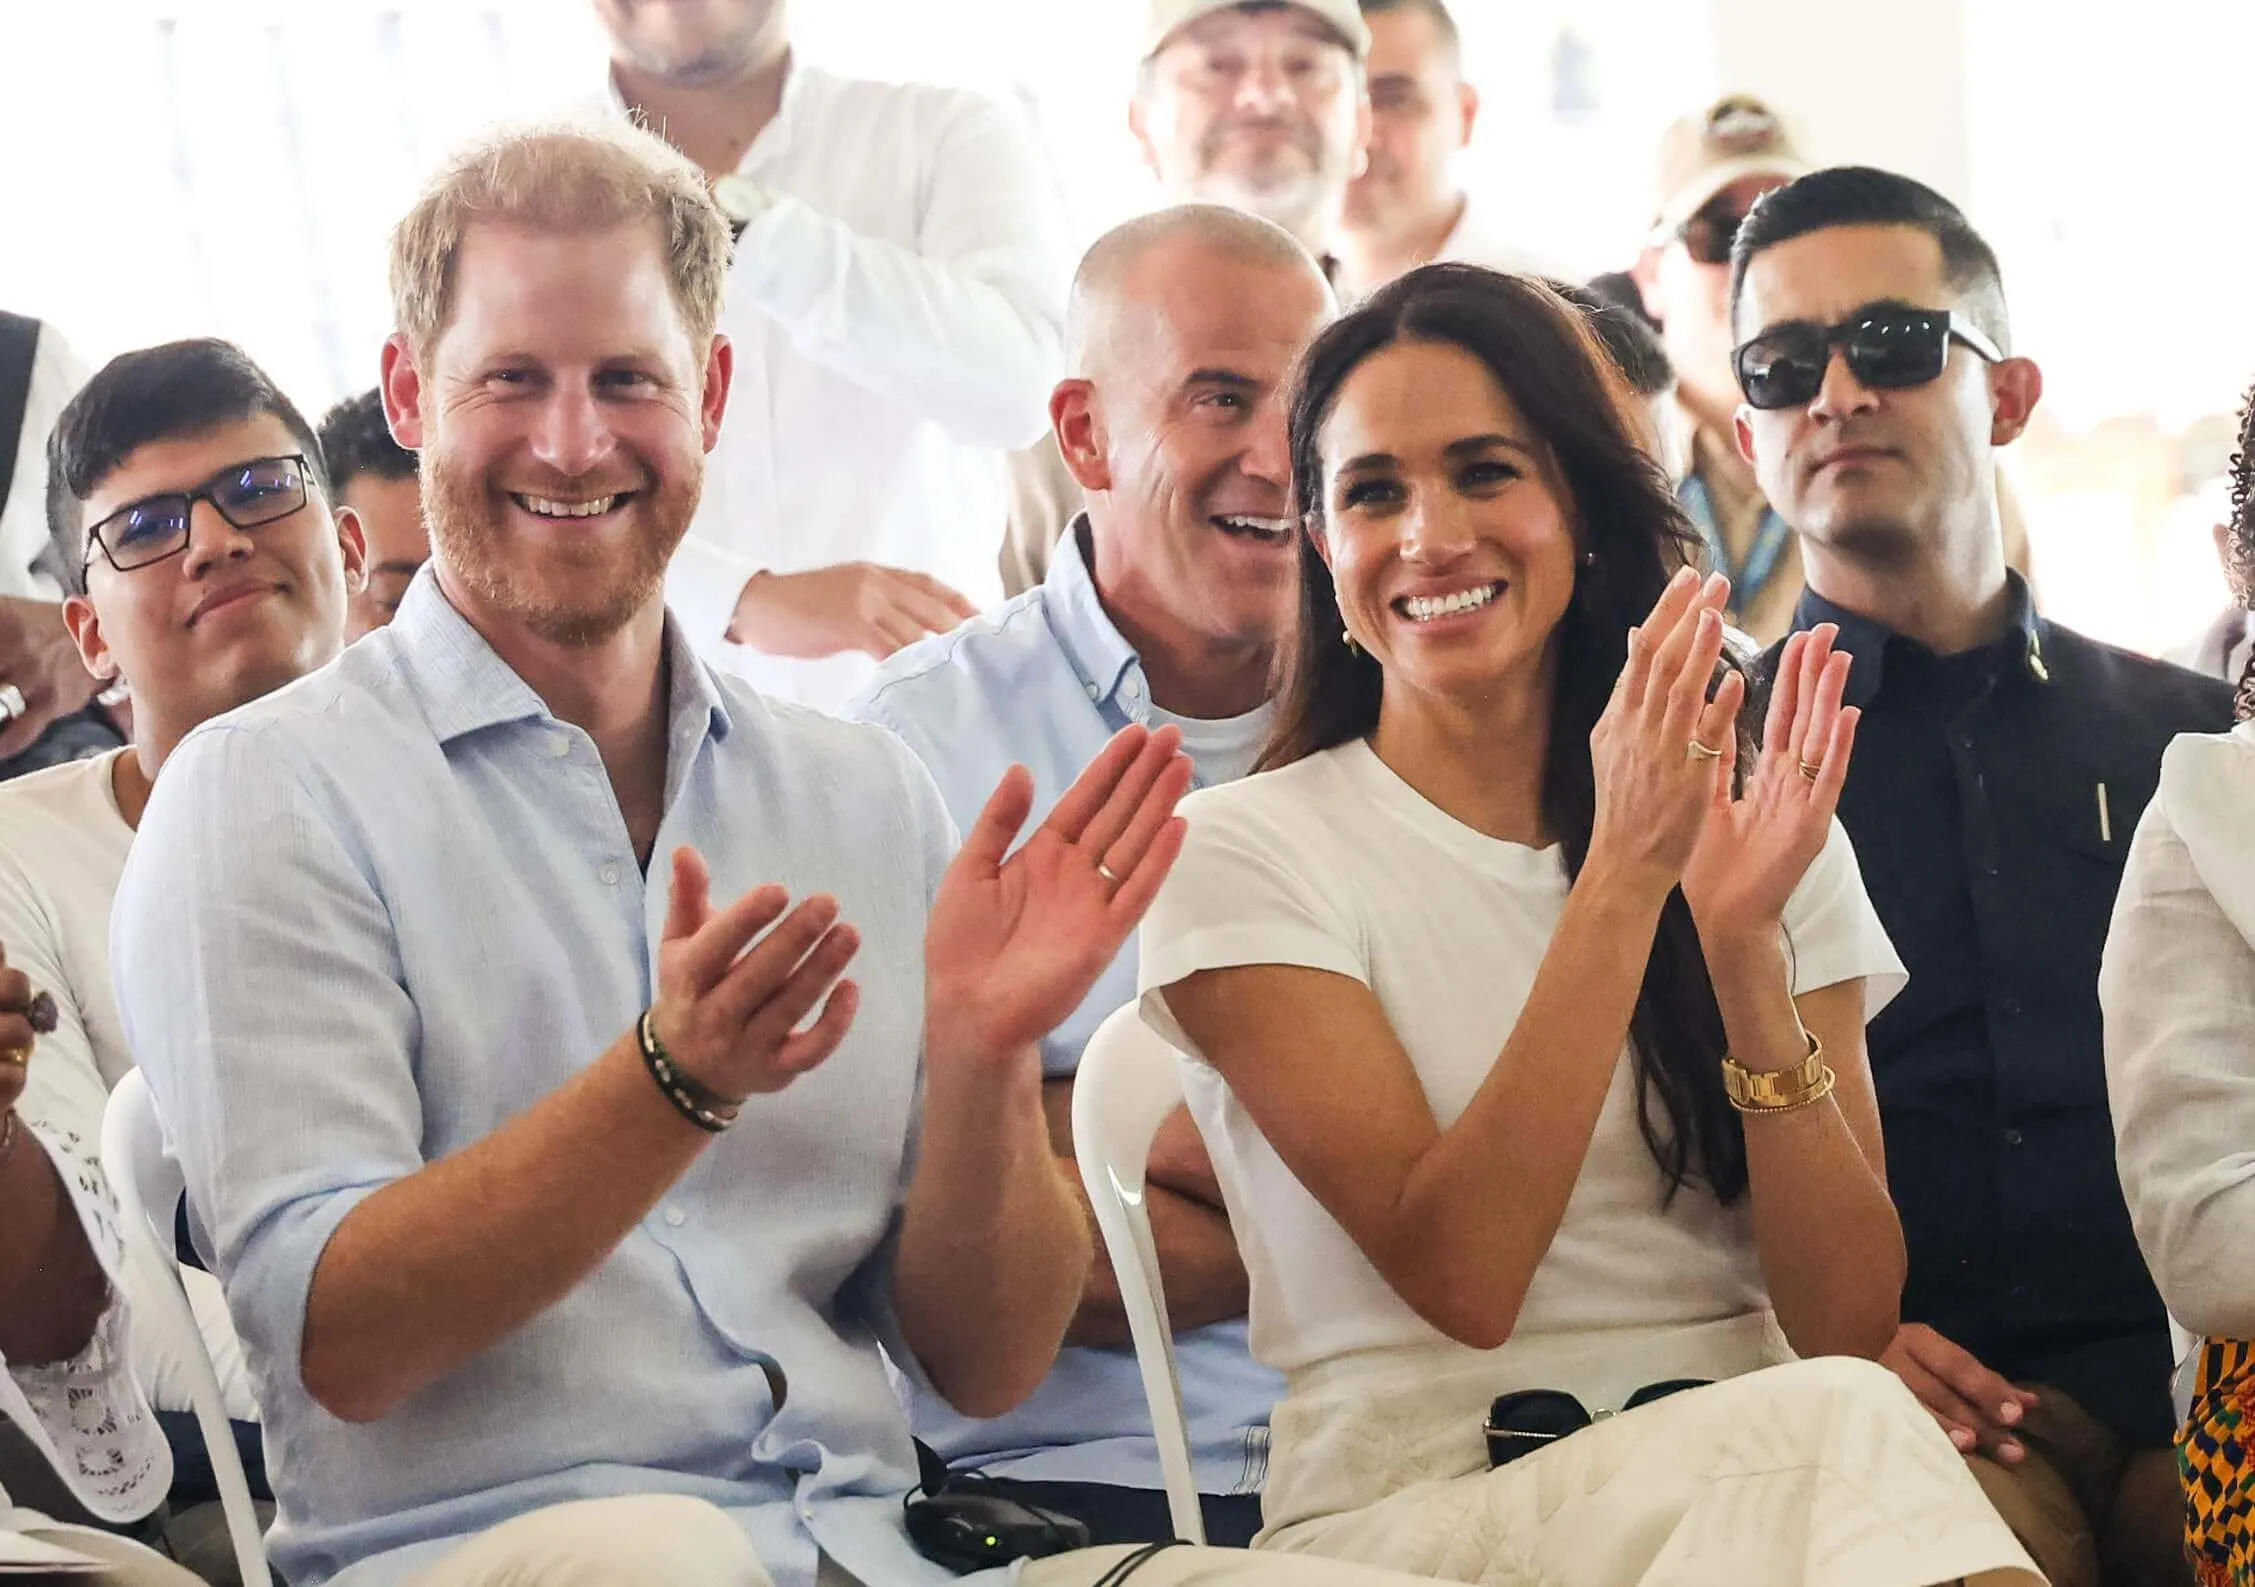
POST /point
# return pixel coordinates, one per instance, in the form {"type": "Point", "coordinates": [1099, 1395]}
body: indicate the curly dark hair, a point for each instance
{"type": "Point", "coordinates": [356, 441]}
{"type": "Point", "coordinates": [1543, 352]}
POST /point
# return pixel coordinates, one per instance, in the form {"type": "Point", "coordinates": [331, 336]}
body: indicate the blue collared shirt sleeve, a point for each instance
{"type": "Point", "coordinates": [257, 975]}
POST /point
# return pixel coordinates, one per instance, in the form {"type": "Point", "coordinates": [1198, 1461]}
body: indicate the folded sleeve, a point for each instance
{"type": "Point", "coordinates": [1833, 934]}
{"type": "Point", "coordinates": [2177, 991]}
{"type": "Point", "coordinates": [259, 983]}
{"type": "Point", "coordinates": [1239, 895]}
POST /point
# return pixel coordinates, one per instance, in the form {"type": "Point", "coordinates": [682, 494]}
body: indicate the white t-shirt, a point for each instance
{"type": "Point", "coordinates": [1221, 749]}
{"type": "Point", "coordinates": [1337, 864]}
{"type": "Point", "coordinates": [63, 844]}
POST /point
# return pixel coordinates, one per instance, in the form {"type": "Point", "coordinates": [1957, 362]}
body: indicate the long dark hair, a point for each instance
{"type": "Point", "coordinates": [1634, 537]}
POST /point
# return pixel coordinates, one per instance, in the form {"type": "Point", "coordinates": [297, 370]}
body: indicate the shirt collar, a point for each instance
{"type": "Point", "coordinates": [464, 687]}
{"type": "Point", "coordinates": [1098, 651]}
{"type": "Point", "coordinates": [1866, 640]}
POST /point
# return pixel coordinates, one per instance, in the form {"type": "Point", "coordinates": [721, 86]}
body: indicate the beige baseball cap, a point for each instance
{"type": "Point", "coordinates": [1166, 18]}
{"type": "Point", "coordinates": [1736, 137]}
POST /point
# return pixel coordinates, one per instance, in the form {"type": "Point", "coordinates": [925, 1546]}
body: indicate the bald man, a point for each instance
{"type": "Point", "coordinates": [1165, 602]}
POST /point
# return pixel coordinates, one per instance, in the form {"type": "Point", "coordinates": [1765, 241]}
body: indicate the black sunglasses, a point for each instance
{"type": "Point", "coordinates": [1709, 235]}
{"type": "Point", "coordinates": [1519, 1424]}
{"type": "Point", "coordinates": [154, 528]}
{"type": "Point", "coordinates": [1888, 346]}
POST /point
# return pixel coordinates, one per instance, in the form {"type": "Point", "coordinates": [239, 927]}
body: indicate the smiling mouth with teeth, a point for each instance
{"type": "Point", "coordinates": [1425, 608]}
{"type": "Point", "coordinates": [1250, 526]}
{"type": "Point", "coordinates": [549, 507]}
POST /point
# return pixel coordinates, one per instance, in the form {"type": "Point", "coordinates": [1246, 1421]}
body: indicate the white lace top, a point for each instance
{"type": "Point", "coordinates": [87, 1415]}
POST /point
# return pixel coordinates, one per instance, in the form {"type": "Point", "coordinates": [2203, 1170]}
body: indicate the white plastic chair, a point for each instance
{"type": "Point", "coordinates": [148, 1188]}
{"type": "Point", "coordinates": [1126, 1086]}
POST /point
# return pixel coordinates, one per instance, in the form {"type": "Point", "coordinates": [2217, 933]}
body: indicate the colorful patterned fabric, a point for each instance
{"type": "Point", "coordinates": [2219, 1477]}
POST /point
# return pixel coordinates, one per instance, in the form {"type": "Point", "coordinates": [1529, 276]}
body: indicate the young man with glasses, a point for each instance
{"type": "Point", "coordinates": [1713, 165]}
{"type": "Point", "coordinates": [2002, 763]}
{"type": "Point", "coordinates": [202, 564]}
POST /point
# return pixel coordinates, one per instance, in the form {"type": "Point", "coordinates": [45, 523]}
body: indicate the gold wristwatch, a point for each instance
{"type": "Point", "coordinates": [1808, 1081]}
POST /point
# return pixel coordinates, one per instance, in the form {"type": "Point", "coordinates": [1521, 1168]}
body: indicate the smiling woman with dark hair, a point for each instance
{"type": "Point", "coordinates": [1525, 995]}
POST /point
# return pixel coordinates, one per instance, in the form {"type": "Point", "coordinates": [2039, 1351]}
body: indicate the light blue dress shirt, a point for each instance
{"type": "Point", "coordinates": [1046, 680]}
{"type": "Point", "coordinates": [375, 916]}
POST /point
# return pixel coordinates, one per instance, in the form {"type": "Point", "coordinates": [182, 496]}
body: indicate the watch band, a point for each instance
{"type": "Point", "coordinates": [1806, 1082]}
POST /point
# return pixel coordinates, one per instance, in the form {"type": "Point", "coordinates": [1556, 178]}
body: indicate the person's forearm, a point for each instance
{"type": "Point", "coordinates": [1484, 1201]}
{"type": "Point", "coordinates": [994, 1247]}
{"type": "Point", "coordinates": [443, 1264]}
{"type": "Point", "coordinates": [52, 1279]}
{"type": "Point", "coordinates": [1831, 1245]}
{"type": "Point", "coordinates": [1198, 1264]}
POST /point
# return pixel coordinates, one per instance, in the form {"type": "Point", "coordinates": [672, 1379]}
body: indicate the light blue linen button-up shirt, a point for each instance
{"type": "Point", "coordinates": [1045, 680]}
{"type": "Point", "coordinates": [377, 915]}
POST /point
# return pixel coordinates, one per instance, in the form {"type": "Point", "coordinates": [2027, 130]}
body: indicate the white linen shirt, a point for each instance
{"type": "Point", "coordinates": [898, 317]}
{"type": "Point", "coordinates": [2177, 988]}
{"type": "Point", "coordinates": [375, 916]}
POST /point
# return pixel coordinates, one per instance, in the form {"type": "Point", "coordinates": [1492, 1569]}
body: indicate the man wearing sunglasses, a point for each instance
{"type": "Point", "coordinates": [2002, 764]}
{"type": "Point", "coordinates": [201, 564]}
{"type": "Point", "coordinates": [1713, 166]}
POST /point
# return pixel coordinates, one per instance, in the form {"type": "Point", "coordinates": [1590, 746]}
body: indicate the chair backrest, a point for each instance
{"type": "Point", "coordinates": [148, 1187]}
{"type": "Point", "coordinates": [1125, 1087]}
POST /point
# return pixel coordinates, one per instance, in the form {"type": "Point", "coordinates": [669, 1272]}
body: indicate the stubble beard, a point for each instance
{"type": "Point", "coordinates": [573, 596]}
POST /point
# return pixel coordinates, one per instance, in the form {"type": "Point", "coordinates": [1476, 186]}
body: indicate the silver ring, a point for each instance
{"type": "Point", "coordinates": [12, 703]}
{"type": "Point", "coordinates": [1105, 871]}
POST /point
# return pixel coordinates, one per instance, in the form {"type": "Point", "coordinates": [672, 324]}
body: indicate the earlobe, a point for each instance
{"type": "Point", "coordinates": [720, 374]}
{"type": "Point", "coordinates": [1742, 428]}
{"type": "Point", "coordinates": [2015, 387]}
{"type": "Point", "coordinates": [352, 544]}
{"type": "Point", "coordinates": [402, 388]}
{"type": "Point", "coordinates": [85, 625]}
{"type": "Point", "coordinates": [1080, 434]}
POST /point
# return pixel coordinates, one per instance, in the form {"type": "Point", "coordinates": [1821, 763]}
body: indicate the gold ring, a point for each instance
{"type": "Point", "coordinates": [19, 1056]}
{"type": "Point", "coordinates": [1105, 871]}
{"type": "Point", "coordinates": [1701, 751]}
{"type": "Point", "coordinates": [1812, 770]}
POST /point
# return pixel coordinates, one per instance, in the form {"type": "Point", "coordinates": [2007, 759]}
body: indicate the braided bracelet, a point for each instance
{"type": "Point", "coordinates": [706, 1109]}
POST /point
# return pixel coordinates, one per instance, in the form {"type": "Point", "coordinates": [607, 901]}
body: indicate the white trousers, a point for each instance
{"type": "Point", "coordinates": [665, 1540]}
{"type": "Point", "coordinates": [1823, 1473]}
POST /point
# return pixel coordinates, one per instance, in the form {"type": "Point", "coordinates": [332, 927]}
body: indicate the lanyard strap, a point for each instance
{"type": "Point", "coordinates": [1748, 578]}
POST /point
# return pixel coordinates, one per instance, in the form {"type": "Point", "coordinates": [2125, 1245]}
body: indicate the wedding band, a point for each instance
{"type": "Point", "coordinates": [1701, 751]}
{"type": "Point", "coordinates": [19, 1056]}
{"type": "Point", "coordinates": [12, 704]}
{"type": "Point", "coordinates": [1812, 770]}
{"type": "Point", "coordinates": [1105, 871]}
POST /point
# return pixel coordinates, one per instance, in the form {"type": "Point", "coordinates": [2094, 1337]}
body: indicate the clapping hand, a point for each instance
{"type": "Point", "coordinates": [1015, 943]}
{"type": "Point", "coordinates": [1660, 751]}
{"type": "Point", "coordinates": [735, 984]}
{"type": "Point", "coordinates": [1758, 843]}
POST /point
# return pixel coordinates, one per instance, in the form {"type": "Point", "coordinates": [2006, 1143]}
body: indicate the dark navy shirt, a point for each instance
{"type": "Point", "coordinates": [1992, 800]}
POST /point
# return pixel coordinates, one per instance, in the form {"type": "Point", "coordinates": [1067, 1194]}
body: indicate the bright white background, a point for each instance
{"type": "Point", "coordinates": [231, 167]}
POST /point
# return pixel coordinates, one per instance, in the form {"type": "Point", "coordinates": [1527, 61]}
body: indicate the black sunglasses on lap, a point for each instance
{"type": "Point", "coordinates": [1529, 1420]}
{"type": "Point", "coordinates": [1888, 347]}
{"type": "Point", "coordinates": [248, 495]}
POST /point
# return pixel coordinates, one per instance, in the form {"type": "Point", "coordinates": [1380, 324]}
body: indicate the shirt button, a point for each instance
{"type": "Point", "coordinates": [2011, 1005]}
{"type": "Point", "coordinates": [2015, 1138]}
{"type": "Point", "coordinates": [1135, 688]}
{"type": "Point", "coordinates": [560, 745]}
{"type": "Point", "coordinates": [610, 875]}
{"type": "Point", "coordinates": [675, 1217]}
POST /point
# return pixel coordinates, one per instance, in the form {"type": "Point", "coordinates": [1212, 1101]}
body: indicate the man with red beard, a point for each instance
{"type": "Point", "coordinates": [492, 985]}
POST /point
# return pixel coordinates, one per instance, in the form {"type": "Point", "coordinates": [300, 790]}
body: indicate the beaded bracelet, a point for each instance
{"type": "Point", "coordinates": [706, 1109]}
